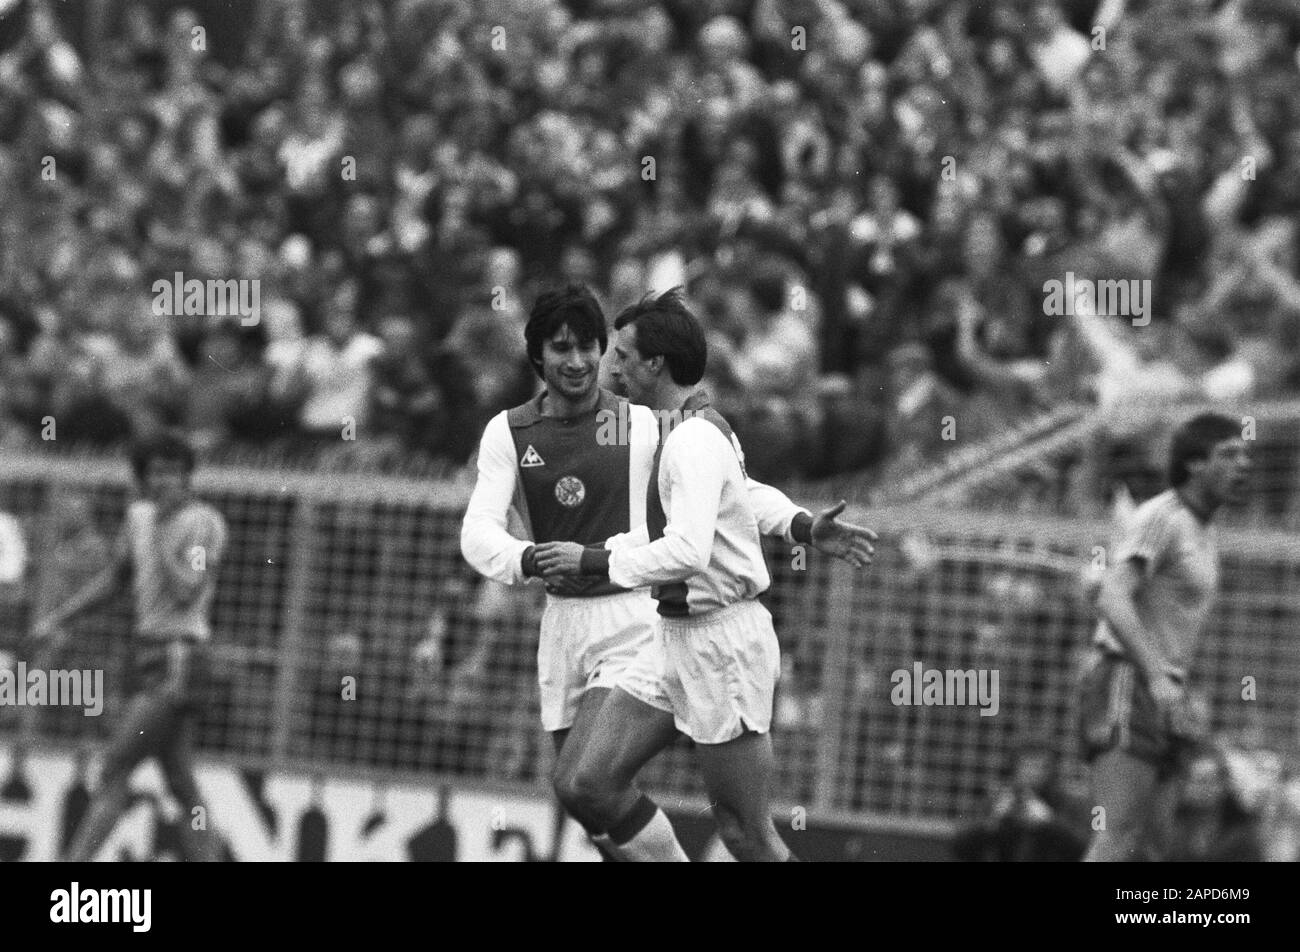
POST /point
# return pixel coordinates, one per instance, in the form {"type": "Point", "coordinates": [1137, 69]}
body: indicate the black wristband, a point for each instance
{"type": "Point", "coordinates": [595, 561]}
{"type": "Point", "coordinates": [529, 562]}
{"type": "Point", "coordinates": [801, 528]}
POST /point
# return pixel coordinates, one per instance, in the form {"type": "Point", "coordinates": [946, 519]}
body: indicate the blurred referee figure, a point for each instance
{"type": "Point", "coordinates": [1154, 602]}
{"type": "Point", "coordinates": [714, 653]}
{"type": "Point", "coordinates": [573, 464]}
{"type": "Point", "coordinates": [168, 551]}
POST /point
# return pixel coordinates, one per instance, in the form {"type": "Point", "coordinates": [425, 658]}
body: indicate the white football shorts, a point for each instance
{"type": "Point", "coordinates": [719, 671]}
{"type": "Point", "coordinates": [596, 642]}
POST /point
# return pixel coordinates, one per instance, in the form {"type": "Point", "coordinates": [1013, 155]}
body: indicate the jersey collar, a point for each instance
{"type": "Point", "coordinates": [531, 412]}
{"type": "Point", "coordinates": [696, 402]}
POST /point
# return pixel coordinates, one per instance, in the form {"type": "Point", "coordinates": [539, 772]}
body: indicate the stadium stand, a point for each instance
{"type": "Point", "coordinates": [867, 221]}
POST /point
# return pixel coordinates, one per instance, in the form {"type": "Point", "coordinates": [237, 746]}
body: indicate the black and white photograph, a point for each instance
{"type": "Point", "coordinates": [357, 362]}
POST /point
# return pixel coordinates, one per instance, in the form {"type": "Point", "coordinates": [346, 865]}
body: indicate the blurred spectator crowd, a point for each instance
{"type": "Point", "coordinates": [864, 198]}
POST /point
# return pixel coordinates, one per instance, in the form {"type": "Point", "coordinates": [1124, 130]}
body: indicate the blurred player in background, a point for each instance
{"type": "Point", "coordinates": [1154, 602]}
{"type": "Point", "coordinates": [168, 551]}
{"type": "Point", "coordinates": [573, 464]}
{"type": "Point", "coordinates": [714, 650]}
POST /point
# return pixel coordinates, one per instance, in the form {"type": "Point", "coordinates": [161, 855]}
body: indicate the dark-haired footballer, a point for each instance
{"type": "Point", "coordinates": [713, 645]}
{"type": "Point", "coordinates": [169, 550]}
{"type": "Point", "coordinates": [1154, 602]}
{"type": "Point", "coordinates": [574, 464]}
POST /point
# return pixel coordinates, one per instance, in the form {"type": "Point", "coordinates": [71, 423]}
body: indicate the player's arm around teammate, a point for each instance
{"type": "Point", "coordinates": [826, 532]}
{"type": "Point", "coordinates": [704, 557]}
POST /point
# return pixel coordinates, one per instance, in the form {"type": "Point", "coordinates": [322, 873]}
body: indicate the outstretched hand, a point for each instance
{"type": "Point", "coordinates": [844, 540]}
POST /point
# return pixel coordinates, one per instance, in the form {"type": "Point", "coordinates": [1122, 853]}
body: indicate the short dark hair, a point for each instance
{"type": "Point", "coordinates": [1196, 439]}
{"type": "Point", "coordinates": [573, 305]}
{"type": "Point", "coordinates": [666, 327]}
{"type": "Point", "coordinates": [168, 445]}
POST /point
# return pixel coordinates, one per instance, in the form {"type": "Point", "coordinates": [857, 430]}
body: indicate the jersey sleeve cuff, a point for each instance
{"type": "Point", "coordinates": [528, 562]}
{"type": "Point", "coordinates": [595, 561]}
{"type": "Point", "coordinates": [801, 528]}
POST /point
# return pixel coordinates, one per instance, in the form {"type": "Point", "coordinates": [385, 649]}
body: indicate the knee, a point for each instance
{"type": "Point", "coordinates": [567, 788]}
{"type": "Point", "coordinates": [743, 839]}
{"type": "Point", "coordinates": [749, 835]}
{"type": "Point", "coordinates": [580, 787]}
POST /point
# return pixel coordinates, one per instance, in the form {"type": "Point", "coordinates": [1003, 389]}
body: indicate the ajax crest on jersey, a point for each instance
{"type": "Point", "coordinates": [570, 492]}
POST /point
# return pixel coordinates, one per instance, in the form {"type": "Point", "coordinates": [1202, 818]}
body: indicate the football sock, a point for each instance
{"type": "Point", "coordinates": [645, 835]}
{"type": "Point", "coordinates": [609, 852]}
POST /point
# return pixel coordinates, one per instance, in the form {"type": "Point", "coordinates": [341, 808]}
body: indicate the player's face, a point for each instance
{"type": "Point", "coordinates": [631, 372]}
{"type": "Point", "coordinates": [165, 481]}
{"type": "Point", "coordinates": [1227, 471]}
{"type": "Point", "coordinates": [568, 367]}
